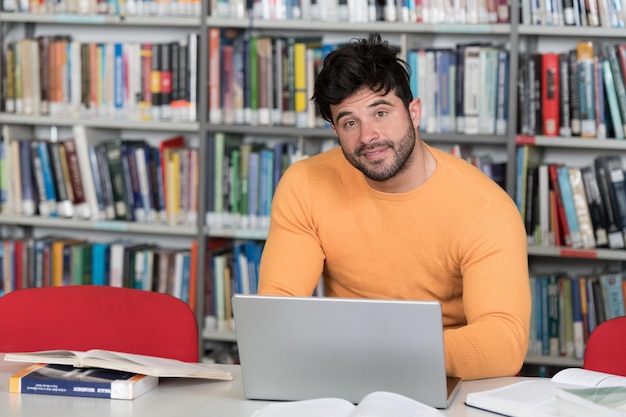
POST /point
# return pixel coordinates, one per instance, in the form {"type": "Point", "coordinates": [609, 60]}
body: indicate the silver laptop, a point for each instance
{"type": "Point", "coordinates": [296, 348]}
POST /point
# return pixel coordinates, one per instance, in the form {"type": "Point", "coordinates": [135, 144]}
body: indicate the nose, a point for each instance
{"type": "Point", "coordinates": [368, 132]}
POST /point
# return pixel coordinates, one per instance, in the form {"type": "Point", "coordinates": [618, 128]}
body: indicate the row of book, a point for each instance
{"type": "Point", "coordinates": [58, 261]}
{"type": "Point", "coordinates": [418, 11]}
{"type": "Point", "coordinates": [244, 175]}
{"type": "Point", "coordinates": [580, 92]}
{"type": "Point", "coordinates": [577, 207]}
{"type": "Point", "coordinates": [106, 7]}
{"type": "Point", "coordinates": [59, 76]}
{"type": "Point", "coordinates": [263, 80]}
{"type": "Point", "coordinates": [117, 179]}
{"type": "Point", "coordinates": [463, 89]}
{"type": "Point", "coordinates": [604, 13]}
{"type": "Point", "coordinates": [566, 309]}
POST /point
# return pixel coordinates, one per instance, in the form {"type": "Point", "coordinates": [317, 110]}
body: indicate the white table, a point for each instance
{"type": "Point", "coordinates": [177, 398]}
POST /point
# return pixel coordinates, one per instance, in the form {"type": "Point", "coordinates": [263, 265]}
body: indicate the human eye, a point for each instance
{"type": "Point", "coordinates": [348, 124]}
{"type": "Point", "coordinates": [381, 113]}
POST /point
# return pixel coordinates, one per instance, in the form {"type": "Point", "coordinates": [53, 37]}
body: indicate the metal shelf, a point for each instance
{"type": "Point", "coordinates": [14, 119]}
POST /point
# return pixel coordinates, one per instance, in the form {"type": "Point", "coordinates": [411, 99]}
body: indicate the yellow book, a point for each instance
{"type": "Point", "coordinates": [173, 186]}
{"type": "Point", "coordinates": [300, 102]}
{"type": "Point", "coordinates": [61, 261]}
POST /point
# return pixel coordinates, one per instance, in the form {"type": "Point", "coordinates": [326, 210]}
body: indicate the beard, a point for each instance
{"type": "Point", "coordinates": [383, 170]}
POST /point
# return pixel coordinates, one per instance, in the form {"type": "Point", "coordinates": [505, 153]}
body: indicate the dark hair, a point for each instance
{"type": "Point", "coordinates": [371, 63]}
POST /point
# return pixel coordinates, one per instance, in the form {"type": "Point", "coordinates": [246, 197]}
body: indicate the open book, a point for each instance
{"type": "Point", "coordinates": [538, 397]}
{"type": "Point", "coordinates": [129, 362]}
{"type": "Point", "coordinates": [376, 404]}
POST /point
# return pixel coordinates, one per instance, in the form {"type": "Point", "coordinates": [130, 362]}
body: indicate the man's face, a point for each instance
{"type": "Point", "coordinates": [377, 135]}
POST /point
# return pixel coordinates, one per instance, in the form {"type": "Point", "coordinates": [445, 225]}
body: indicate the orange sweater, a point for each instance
{"type": "Point", "coordinates": [458, 239]}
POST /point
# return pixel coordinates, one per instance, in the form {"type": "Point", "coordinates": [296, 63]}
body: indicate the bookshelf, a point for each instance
{"type": "Point", "coordinates": [517, 38]}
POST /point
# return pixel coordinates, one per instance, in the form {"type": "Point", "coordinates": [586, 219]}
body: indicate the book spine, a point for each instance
{"type": "Point", "coordinates": [166, 81]}
{"type": "Point", "coordinates": [564, 96]}
{"type": "Point", "coordinates": [550, 84]}
{"type": "Point", "coordinates": [584, 51]}
{"type": "Point", "coordinates": [582, 208]}
{"type": "Point", "coordinates": [105, 177]}
{"type": "Point", "coordinates": [471, 89]}
{"type": "Point", "coordinates": [50, 202]}
{"type": "Point", "coordinates": [27, 181]}
{"type": "Point", "coordinates": [595, 206]}
{"type": "Point", "coordinates": [145, 103]}
{"type": "Point", "coordinates": [611, 284]}
{"type": "Point", "coordinates": [612, 101]}
{"type": "Point", "coordinates": [76, 179]}
{"type": "Point", "coordinates": [574, 93]}
{"type": "Point", "coordinates": [215, 110]}
{"type": "Point", "coordinates": [64, 203]}
{"type": "Point", "coordinates": [118, 184]}
{"type": "Point", "coordinates": [502, 109]}
{"type": "Point", "coordinates": [607, 191]}
{"type": "Point", "coordinates": [155, 83]}
{"type": "Point", "coordinates": [570, 210]}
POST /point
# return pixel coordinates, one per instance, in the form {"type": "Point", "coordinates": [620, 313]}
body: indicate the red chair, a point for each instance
{"type": "Point", "coordinates": [605, 347]}
{"type": "Point", "coordinates": [83, 317]}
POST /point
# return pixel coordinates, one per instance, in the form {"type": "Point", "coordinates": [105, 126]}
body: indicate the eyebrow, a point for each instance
{"type": "Point", "coordinates": [380, 101]}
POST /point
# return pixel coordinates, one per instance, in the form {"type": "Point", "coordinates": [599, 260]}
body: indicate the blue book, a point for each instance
{"type": "Point", "coordinates": [158, 186]}
{"type": "Point", "coordinates": [612, 295]}
{"type": "Point", "coordinates": [66, 380]}
{"type": "Point", "coordinates": [445, 61]}
{"type": "Point", "coordinates": [118, 79]}
{"type": "Point", "coordinates": [266, 184]}
{"type": "Point", "coordinates": [100, 261]}
{"type": "Point", "coordinates": [411, 59]}
{"type": "Point", "coordinates": [502, 99]}
{"type": "Point", "coordinates": [252, 251]}
{"type": "Point", "coordinates": [569, 206]}
{"type": "Point", "coordinates": [186, 276]}
{"type": "Point", "coordinates": [97, 179]}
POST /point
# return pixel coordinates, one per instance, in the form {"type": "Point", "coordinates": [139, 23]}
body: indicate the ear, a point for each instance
{"type": "Point", "coordinates": [415, 112]}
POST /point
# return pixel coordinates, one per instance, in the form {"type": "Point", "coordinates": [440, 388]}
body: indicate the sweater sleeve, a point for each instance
{"type": "Point", "coordinates": [496, 299]}
{"type": "Point", "coordinates": [292, 259]}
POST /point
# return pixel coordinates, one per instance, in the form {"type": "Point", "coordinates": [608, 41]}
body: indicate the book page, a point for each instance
{"type": "Point", "coordinates": [326, 407]}
{"type": "Point", "coordinates": [587, 378]}
{"type": "Point", "coordinates": [530, 398]}
{"type": "Point", "coordinates": [387, 404]}
{"type": "Point", "coordinates": [151, 365]}
{"type": "Point", "coordinates": [60, 357]}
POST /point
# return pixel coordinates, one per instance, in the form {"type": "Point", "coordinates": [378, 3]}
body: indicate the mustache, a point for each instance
{"type": "Point", "coordinates": [372, 146]}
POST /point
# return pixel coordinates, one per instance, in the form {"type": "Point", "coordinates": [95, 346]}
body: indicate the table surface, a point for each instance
{"type": "Point", "coordinates": [179, 397]}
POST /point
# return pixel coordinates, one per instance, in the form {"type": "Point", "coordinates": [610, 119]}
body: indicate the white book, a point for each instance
{"type": "Point", "coordinates": [375, 404]}
{"type": "Point", "coordinates": [471, 89]}
{"type": "Point", "coordinates": [488, 88]}
{"type": "Point", "coordinates": [538, 397]}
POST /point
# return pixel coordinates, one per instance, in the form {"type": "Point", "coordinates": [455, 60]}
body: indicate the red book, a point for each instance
{"type": "Point", "coordinates": [554, 184]}
{"type": "Point", "coordinates": [550, 93]}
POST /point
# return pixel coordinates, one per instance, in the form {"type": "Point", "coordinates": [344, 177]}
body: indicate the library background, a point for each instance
{"type": "Point", "coordinates": [142, 140]}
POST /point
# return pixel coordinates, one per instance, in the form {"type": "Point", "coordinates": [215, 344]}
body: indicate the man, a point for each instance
{"type": "Point", "coordinates": [387, 216]}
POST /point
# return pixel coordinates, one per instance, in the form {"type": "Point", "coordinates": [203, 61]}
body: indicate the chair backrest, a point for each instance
{"type": "Point", "coordinates": [83, 317]}
{"type": "Point", "coordinates": [605, 347]}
